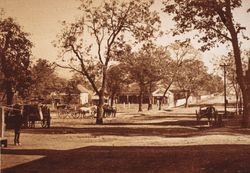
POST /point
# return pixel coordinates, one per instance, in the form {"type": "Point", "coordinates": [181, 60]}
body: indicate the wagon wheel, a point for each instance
{"type": "Point", "coordinates": [31, 124]}
{"type": "Point", "coordinates": [93, 114]}
{"type": "Point", "coordinates": [44, 123]}
{"type": "Point", "coordinates": [62, 114]}
{"type": "Point", "coordinates": [59, 113]}
{"type": "Point", "coordinates": [82, 114]}
{"type": "Point", "coordinates": [75, 115]}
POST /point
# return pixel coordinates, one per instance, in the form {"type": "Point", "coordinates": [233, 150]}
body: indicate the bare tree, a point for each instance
{"type": "Point", "coordinates": [108, 24]}
{"type": "Point", "coordinates": [146, 68]}
{"type": "Point", "coordinates": [179, 51]}
{"type": "Point", "coordinates": [192, 78]}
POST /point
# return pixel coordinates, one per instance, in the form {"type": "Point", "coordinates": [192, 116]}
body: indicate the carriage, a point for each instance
{"type": "Point", "coordinates": [67, 111]}
{"type": "Point", "coordinates": [206, 111]}
{"type": "Point", "coordinates": [36, 114]}
{"type": "Point", "coordinates": [32, 114]}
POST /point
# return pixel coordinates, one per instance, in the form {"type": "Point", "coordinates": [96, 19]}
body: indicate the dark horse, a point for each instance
{"type": "Point", "coordinates": [208, 112]}
{"type": "Point", "coordinates": [109, 111]}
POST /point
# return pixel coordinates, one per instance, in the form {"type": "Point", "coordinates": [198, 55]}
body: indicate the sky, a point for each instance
{"type": "Point", "coordinates": [42, 19]}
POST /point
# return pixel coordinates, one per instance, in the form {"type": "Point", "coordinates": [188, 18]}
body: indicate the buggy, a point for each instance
{"type": "Point", "coordinates": [206, 111]}
{"type": "Point", "coordinates": [36, 113]}
{"type": "Point", "coordinates": [31, 114]}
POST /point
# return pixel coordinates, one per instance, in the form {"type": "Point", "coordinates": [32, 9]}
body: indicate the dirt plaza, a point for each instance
{"type": "Point", "coordinates": [149, 141]}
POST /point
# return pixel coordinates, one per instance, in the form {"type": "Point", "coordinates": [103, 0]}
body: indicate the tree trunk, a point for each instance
{"type": "Point", "coordinates": [140, 100]}
{"type": "Point", "coordinates": [150, 98]}
{"type": "Point", "coordinates": [99, 116]}
{"type": "Point", "coordinates": [246, 108]}
{"type": "Point", "coordinates": [241, 80]}
{"type": "Point", "coordinates": [237, 95]}
{"type": "Point", "coordinates": [238, 63]}
{"type": "Point", "coordinates": [112, 99]}
{"type": "Point", "coordinates": [186, 103]}
{"type": "Point", "coordinates": [164, 94]}
{"type": "Point", "coordinates": [160, 102]}
{"type": "Point", "coordinates": [150, 106]}
{"type": "Point", "coordinates": [9, 93]}
{"type": "Point", "coordinates": [237, 104]}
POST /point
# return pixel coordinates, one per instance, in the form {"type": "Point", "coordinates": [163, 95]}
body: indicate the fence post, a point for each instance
{"type": "Point", "coordinates": [2, 122]}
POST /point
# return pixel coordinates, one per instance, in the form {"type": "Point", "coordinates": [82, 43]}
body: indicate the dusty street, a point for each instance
{"type": "Point", "coordinates": [151, 141]}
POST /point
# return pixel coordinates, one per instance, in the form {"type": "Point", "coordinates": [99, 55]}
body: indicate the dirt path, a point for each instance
{"type": "Point", "coordinates": [154, 141]}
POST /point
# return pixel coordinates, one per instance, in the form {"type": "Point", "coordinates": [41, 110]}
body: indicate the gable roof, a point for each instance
{"type": "Point", "coordinates": [159, 92]}
{"type": "Point", "coordinates": [82, 89]}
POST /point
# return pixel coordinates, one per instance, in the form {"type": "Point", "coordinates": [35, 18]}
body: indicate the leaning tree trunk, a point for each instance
{"type": "Point", "coordinates": [238, 63]}
{"type": "Point", "coordinates": [241, 80]}
{"type": "Point", "coordinates": [164, 94]}
{"type": "Point", "coordinates": [186, 102]}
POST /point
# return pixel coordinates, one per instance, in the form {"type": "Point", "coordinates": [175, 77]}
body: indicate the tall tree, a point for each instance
{"type": "Point", "coordinates": [192, 78]}
{"type": "Point", "coordinates": [117, 78]}
{"type": "Point", "coordinates": [45, 80]}
{"type": "Point", "coordinates": [231, 73]}
{"type": "Point", "coordinates": [216, 24]}
{"type": "Point", "coordinates": [107, 23]}
{"type": "Point", "coordinates": [179, 52]}
{"type": "Point", "coordinates": [15, 52]}
{"type": "Point", "coordinates": [146, 68]}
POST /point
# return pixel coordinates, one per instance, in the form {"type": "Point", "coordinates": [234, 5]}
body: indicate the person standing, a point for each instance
{"type": "Point", "coordinates": [17, 111]}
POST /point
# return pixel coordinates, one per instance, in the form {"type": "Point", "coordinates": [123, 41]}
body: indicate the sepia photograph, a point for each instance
{"type": "Point", "coordinates": [125, 86]}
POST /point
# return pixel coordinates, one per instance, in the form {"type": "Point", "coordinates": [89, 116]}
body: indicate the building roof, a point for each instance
{"type": "Point", "coordinates": [131, 89]}
{"type": "Point", "coordinates": [159, 92]}
{"type": "Point", "coordinates": [82, 89]}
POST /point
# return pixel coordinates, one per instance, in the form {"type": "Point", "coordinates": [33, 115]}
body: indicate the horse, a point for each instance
{"type": "Point", "coordinates": [85, 110]}
{"type": "Point", "coordinates": [109, 111]}
{"type": "Point", "coordinates": [207, 111]}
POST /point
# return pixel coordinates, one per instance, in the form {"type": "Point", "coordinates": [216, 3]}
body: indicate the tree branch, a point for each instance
{"type": "Point", "coordinates": [84, 70]}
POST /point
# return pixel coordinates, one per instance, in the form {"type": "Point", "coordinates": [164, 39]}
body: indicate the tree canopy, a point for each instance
{"type": "Point", "coordinates": [109, 24]}
{"type": "Point", "coordinates": [215, 22]}
{"type": "Point", "coordinates": [15, 52]}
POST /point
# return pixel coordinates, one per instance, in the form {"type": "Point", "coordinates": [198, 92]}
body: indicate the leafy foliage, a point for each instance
{"type": "Point", "coordinates": [211, 18]}
{"type": "Point", "coordinates": [15, 52]}
{"type": "Point", "coordinates": [107, 24]}
{"type": "Point", "coordinates": [45, 80]}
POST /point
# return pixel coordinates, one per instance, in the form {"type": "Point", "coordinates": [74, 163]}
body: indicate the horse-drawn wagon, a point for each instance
{"type": "Point", "coordinates": [31, 115]}
{"type": "Point", "coordinates": [209, 112]}
{"type": "Point", "coordinates": [67, 111]}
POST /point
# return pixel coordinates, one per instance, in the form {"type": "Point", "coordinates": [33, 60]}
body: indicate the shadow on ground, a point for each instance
{"type": "Point", "coordinates": [101, 159]}
{"type": "Point", "coordinates": [179, 128]}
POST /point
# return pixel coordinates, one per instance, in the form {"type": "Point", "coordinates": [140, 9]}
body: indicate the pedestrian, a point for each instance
{"type": "Point", "coordinates": [17, 111]}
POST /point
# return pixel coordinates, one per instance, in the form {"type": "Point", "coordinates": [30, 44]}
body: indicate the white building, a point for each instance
{"type": "Point", "coordinates": [84, 94]}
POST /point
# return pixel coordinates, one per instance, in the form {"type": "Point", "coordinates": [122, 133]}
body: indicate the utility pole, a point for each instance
{"type": "Point", "coordinates": [225, 88]}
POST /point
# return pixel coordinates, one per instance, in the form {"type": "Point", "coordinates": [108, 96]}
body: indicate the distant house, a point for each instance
{"type": "Point", "coordinates": [168, 99]}
{"type": "Point", "coordinates": [85, 94]}
{"type": "Point", "coordinates": [131, 95]}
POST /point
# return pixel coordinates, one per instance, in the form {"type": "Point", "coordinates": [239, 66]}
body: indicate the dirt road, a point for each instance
{"type": "Point", "coordinates": [152, 141]}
